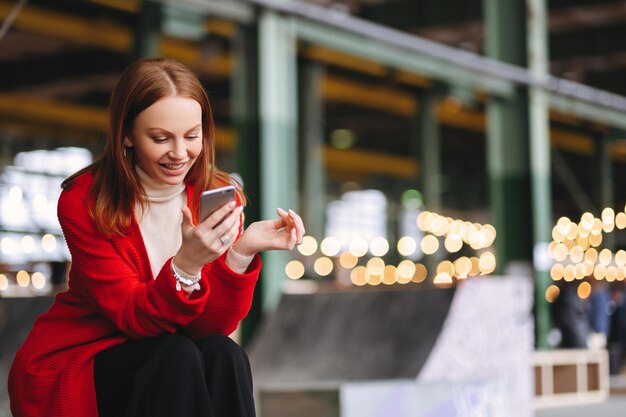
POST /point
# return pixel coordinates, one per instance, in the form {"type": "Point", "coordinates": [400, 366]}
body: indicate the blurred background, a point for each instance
{"type": "Point", "coordinates": [459, 166]}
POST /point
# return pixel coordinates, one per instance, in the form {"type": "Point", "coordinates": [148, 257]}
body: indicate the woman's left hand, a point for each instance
{"type": "Point", "coordinates": [282, 233]}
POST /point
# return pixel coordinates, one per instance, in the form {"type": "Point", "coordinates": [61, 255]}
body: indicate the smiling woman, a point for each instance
{"type": "Point", "coordinates": [153, 293]}
{"type": "Point", "coordinates": [167, 155]}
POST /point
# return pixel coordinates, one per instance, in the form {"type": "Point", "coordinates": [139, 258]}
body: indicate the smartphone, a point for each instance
{"type": "Point", "coordinates": [211, 200]}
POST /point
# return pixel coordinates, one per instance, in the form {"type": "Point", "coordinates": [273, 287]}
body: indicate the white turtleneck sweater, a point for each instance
{"type": "Point", "coordinates": [160, 224]}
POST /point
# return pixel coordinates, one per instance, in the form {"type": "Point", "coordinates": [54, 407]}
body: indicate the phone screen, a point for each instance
{"type": "Point", "coordinates": [211, 200]}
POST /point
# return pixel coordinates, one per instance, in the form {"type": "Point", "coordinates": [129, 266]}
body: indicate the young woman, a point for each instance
{"type": "Point", "coordinates": [153, 293]}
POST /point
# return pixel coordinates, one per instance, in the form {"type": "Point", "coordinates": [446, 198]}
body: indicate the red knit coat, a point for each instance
{"type": "Point", "coordinates": [112, 297]}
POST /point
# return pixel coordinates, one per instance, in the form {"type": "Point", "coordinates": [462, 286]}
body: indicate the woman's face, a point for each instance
{"type": "Point", "coordinates": [167, 138]}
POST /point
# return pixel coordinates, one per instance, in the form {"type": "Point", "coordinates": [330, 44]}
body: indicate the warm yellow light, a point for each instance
{"type": "Point", "coordinates": [557, 271]}
{"type": "Point", "coordinates": [445, 266]}
{"type": "Point", "coordinates": [487, 262]}
{"type": "Point", "coordinates": [359, 276]}
{"type": "Point", "coordinates": [490, 233]}
{"type": "Point", "coordinates": [572, 232]}
{"type": "Point", "coordinates": [358, 247]}
{"type": "Point", "coordinates": [375, 266]}
{"type": "Point", "coordinates": [462, 267]}
{"type": "Point", "coordinates": [580, 271]}
{"type": "Point", "coordinates": [560, 252]}
{"type": "Point", "coordinates": [583, 242]}
{"type": "Point", "coordinates": [611, 273]}
{"type": "Point", "coordinates": [475, 266]}
{"type": "Point", "coordinates": [605, 257]}
{"type": "Point", "coordinates": [599, 272]}
{"type": "Point", "coordinates": [586, 221]}
{"type": "Point", "coordinates": [294, 269]}
{"type": "Point", "coordinates": [591, 255]}
{"type": "Point", "coordinates": [588, 268]}
{"type": "Point", "coordinates": [375, 279]}
{"type": "Point", "coordinates": [348, 260]}
{"type": "Point", "coordinates": [49, 243]}
{"type": "Point", "coordinates": [7, 245]}
{"type": "Point", "coordinates": [330, 246]}
{"type": "Point", "coordinates": [424, 220]}
{"type": "Point", "coordinates": [557, 236]}
{"type": "Point", "coordinates": [406, 246]}
{"type": "Point", "coordinates": [4, 282]}
{"type": "Point", "coordinates": [379, 246]}
{"type": "Point", "coordinates": [420, 273]}
{"type": "Point", "coordinates": [570, 273]}
{"type": "Point", "coordinates": [595, 240]}
{"type": "Point", "coordinates": [552, 293]}
{"type": "Point", "coordinates": [406, 270]}
{"type": "Point", "coordinates": [608, 216]}
{"type": "Point", "coordinates": [429, 244]}
{"type": "Point", "coordinates": [620, 258]}
{"type": "Point", "coordinates": [620, 220]}
{"type": "Point", "coordinates": [28, 244]}
{"type": "Point", "coordinates": [596, 229]}
{"type": "Point", "coordinates": [439, 226]}
{"type": "Point", "coordinates": [442, 279]}
{"type": "Point", "coordinates": [323, 266]}
{"type": "Point", "coordinates": [390, 275]}
{"type": "Point", "coordinates": [23, 279]}
{"type": "Point", "coordinates": [39, 280]}
{"type": "Point", "coordinates": [453, 243]}
{"type": "Point", "coordinates": [308, 246]}
{"type": "Point", "coordinates": [584, 290]}
{"type": "Point", "coordinates": [576, 254]}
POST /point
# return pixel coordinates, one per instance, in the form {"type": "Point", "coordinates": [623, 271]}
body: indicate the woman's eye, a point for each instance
{"type": "Point", "coordinates": [159, 138]}
{"type": "Point", "coordinates": [191, 137]}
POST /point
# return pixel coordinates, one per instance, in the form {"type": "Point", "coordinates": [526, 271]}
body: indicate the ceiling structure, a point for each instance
{"type": "Point", "coordinates": [60, 60]}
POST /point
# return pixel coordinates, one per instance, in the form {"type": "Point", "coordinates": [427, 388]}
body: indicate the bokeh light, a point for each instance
{"type": "Point", "coordinates": [294, 269]}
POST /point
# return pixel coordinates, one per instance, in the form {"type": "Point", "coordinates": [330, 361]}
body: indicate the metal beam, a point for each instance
{"type": "Point", "coordinates": [356, 36]}
{"type": "Point", "coordinates": [235, 10]}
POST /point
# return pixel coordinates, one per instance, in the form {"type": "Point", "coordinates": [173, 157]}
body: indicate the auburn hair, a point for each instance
{"type": "Point", "coordinates": [116, 189]}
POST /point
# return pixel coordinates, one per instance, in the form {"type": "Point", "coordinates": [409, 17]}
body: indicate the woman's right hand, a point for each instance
{"type": "Point", "coordinates": [208, 240]}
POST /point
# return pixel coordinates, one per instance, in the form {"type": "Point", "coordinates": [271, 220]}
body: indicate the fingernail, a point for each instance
{"type": "Point", "coordinates": [279, 209]}
{"type": "Point", "coordinates": [291, 211]}
{"type": "Point", "coordinates": [231, 204]}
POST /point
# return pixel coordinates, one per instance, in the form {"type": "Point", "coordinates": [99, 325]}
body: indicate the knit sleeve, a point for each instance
{"type": "Point", "coordinates": [108, 278]}
{"type": "Point", "coordinates": [229, 301]}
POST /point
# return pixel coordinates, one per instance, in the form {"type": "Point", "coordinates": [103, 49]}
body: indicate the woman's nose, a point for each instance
{"type": "Point", "coordinates": [178, 149]}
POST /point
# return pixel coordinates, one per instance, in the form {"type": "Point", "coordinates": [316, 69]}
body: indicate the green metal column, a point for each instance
{"type": "Point", "coordinates": [314, 192]}
{"type": "Point", "coordinates": [540, 165]}
{"type": "Point", "coordinates": [279, 137]}
{"type": "Point", "coordinates": [430, 143]}
{"type": "Point", "coordinates": [507, 132]}
{"type": "Point", "coordinates": [244, 88]}
{"type": "Point", "coordinates": [148, 31]}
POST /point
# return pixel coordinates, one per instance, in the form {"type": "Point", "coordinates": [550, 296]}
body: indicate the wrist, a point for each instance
{"type": "Point", "coordinates": [185, 267]}
{"type": "Point", "coordinates": [242, 251]}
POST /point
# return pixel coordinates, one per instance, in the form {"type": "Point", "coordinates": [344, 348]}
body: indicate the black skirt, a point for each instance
{"type": "Point", "coordinates": [171, 375]}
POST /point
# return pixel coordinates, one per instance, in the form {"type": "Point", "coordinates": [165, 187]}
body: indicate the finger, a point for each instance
{"type": "Point", "coordinates": [299, 225]}
{"type": "Point", "coordinates": [231, 221]}
{"type": "Point", "coordinates": [298, 222]}
{"type": "Point", "coordinates": [293, 239]}
{"type": "Point", "coordinates": [219, 214]}
{"type": "Point", "coordinates": [187, 219]}
{"type": "Point", "coordinates": [287, 220]}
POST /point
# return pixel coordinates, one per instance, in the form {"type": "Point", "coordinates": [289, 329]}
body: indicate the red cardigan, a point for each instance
{"type": "Point", "coordinates": [112, 297]}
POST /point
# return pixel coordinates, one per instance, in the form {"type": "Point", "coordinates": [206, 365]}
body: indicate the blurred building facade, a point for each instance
{"type": "Point", "coordinates": [485, 118]}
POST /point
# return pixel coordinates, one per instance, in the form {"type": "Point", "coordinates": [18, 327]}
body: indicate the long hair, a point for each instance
{"type": "Point", "coordinates": [116, 189]}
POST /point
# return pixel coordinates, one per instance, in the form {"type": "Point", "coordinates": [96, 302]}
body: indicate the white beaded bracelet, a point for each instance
{"type": "Point", "coordinates": [195, 281]}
